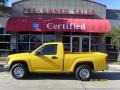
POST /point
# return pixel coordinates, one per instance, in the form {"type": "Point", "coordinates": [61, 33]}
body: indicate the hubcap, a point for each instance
{"type": "Point", "coordinates": [18, 72]}
{"type": "Point", "coordinates": [84, 73]}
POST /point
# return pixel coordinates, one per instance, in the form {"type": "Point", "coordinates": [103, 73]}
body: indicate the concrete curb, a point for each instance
{"type": "Point", "coordinates": [114, 67]}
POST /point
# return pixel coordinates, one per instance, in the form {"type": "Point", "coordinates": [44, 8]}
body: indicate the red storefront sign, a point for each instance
{"type": "Point", "coordinates": [58, 25]}
{"type": "Point", "coordinates": [59, 11]}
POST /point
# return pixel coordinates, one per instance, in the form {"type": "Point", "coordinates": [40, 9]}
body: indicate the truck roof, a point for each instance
{"type": "Point", "coordinates": [53, 43]}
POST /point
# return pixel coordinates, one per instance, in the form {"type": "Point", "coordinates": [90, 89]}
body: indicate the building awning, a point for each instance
{"type": "Point", "coordinates": [58, 25]}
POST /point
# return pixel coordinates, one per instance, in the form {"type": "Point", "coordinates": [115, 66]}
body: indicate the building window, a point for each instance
{"type": "Point", "coordinates": [109, 46]}
{"type": "Point", "coordinates": [35, 41]}
{"type": "Point", "coordinates": [111, 49]}
{"type": "Point", "coordinates": [66, 41]}
{"type": "Point", "coordinates": [23, 38]}
{"type": "Point", "coordinates": [4, 38]}
{"type": "Point", "coordinates": [23, 42]}
{"type": "Point", "coordinates": [49, 38]}
{"type": "Point", "coordinates": [4, 42]}
{"type": "Point", "coordinates": [1, 30]}
{"type": "Point", "coordinates": [23, 47]}
{"type": "Point", "coordinates": [36, 38]}
{"type": "Point", "coordinates": [30, 41]}
{"type": "Point", "coordinates": [108, 40]}
{"type": "Point", "coordinates": [4, 46]}
{"type": "Point", "coordinates": [34, 45]}
{"type": "Point", "coordinates": [94, 43]}
{"type": "Point", "coordinates": [113, 55]}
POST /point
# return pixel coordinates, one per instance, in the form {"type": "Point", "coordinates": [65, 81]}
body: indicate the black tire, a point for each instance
{"type": "Point", "coordinates": [19, 71]}
{"type": "Point", "coordinates": [83, 72]}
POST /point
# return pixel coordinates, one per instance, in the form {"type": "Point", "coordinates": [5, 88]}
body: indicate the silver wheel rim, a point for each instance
{"type": "Point", "coordinates": [18, 72]}
{"type": "Point", "coordinates": [84, 73]}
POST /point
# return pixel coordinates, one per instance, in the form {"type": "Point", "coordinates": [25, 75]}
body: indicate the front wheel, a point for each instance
{"type": "Point", "coordinates": [19, 71]}
{"type": "Point", "coordinates": [83, 72]}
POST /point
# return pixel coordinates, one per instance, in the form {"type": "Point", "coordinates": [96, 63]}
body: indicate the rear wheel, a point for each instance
{"type": "Point", "coordinates": [19, 71]}
{"type": "Point", "coordinates": [83, 72]}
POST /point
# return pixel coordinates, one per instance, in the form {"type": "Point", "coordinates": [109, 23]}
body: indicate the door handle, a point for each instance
{"type": "Point", "coordinates": [54, 57]}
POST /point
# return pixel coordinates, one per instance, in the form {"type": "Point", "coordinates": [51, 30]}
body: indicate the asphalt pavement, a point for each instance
{"type": "Point", "coordinates": [102, 81]}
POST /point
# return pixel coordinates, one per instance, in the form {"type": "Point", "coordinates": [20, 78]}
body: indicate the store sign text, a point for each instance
{"type": "Point", "coordinates": [66, 26]}
{"type": "Point", "coordinates": [59, 11]}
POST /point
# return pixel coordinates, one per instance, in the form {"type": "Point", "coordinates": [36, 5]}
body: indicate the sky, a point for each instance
{"type": "Point", "coordinates": [11, 1]}
{"type": "Point", "coordinates": [111, 4]}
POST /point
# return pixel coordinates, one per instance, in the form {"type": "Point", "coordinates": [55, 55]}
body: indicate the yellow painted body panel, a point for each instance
{"type": "Point", "coordinates": [65, 62]}
{"type": "Point", "coordinates": [96, 58]}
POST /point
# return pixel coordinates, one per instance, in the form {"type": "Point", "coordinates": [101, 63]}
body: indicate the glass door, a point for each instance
{"type": "Point", "coordinates": [80, 44]}
{"type": "Point", "coordinates": [85, 44]}
{"type": "Point", "coordinates": [75, 44]}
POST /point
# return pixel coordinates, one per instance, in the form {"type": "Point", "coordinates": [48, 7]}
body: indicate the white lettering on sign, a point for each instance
{"type": "Point", "coordinates": [55, 11]}
{"type": "Point", "coordinates": [66, 26]}
{"type": "Point", "coordinates": [59, 11]}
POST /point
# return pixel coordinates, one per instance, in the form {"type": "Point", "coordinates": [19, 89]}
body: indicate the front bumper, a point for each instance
{"type": "Point", "coordinates": [4, 68]}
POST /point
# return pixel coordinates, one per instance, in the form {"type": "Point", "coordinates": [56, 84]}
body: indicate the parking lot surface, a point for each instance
{"type": "Point", "coordinates": [107, 80]}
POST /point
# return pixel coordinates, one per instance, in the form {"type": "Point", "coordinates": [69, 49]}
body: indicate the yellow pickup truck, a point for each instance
{"type": "Point", "coordinates": [51, 58]}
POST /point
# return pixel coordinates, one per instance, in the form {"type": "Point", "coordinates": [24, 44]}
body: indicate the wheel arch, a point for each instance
{"type": "Point", "coordinates": [20, 61]}
{"type": "Point", "coordinates": [90, 64]}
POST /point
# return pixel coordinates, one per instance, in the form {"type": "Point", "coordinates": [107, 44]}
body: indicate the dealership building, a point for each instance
{"type": "Point", "coordinates": [79, 24]}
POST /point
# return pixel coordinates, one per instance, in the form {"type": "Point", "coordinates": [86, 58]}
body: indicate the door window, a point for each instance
{"type": "Point", "coordinates": [48, 50]}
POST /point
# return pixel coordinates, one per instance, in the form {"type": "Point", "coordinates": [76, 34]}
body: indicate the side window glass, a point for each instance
{"type": "Point", "coordinates": [48, 50]}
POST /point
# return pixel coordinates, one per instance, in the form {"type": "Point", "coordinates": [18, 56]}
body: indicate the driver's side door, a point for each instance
{"type": "Point", "coordinates": [46, 59]}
